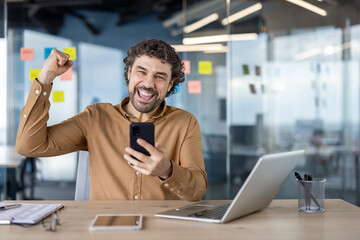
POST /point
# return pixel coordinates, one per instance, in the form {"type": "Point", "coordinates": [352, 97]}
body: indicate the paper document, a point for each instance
{"type": "Point", "coordinates": [27, 213]}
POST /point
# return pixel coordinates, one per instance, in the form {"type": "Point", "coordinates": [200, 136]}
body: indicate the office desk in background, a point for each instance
{"type": "Point", "coordinates": [280, 220]}
{"type": "Point", "coordinates": [9, 161]}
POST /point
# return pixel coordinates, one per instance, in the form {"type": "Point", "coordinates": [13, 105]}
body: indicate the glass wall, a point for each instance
{"type": "Point", "coordinates": [261, 77]}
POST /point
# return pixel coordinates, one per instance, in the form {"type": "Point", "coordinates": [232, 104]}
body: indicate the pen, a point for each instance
{"type": "Point", "coordinates": [297, 175]}
{"type": "Point", "coordinates": [307, 190]}
{"type": "Point", "coordinates": [5, 207]}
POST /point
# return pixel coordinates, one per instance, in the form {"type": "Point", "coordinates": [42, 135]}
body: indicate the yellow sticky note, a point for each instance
{"type": "Point", "coordinates": [58, 96]}
{"type": "Point", "coordinates": [205, 67]}
{"type": "Point", "coordinates": [71, 51]}
{"type": "Point", "coordinates": [34, 73]}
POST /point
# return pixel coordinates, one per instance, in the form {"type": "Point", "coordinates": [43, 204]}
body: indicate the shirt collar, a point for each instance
{"type": "Point", "coordinates": [158, 114]}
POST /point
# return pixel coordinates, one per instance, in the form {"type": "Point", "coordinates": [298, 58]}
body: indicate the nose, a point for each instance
{"type": "Point", "coordinates": [149, 81]}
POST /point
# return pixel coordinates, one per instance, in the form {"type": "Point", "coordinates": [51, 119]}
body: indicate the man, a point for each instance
{"type": "Point", "coordinates": [175, 167]}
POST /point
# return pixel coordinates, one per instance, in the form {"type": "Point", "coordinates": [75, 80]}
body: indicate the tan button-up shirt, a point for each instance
{"type": "Point", "coordinates": [103, 130]}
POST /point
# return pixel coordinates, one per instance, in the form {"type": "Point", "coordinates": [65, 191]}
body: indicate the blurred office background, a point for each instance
{"type": "Point", "coordinates": [261, 77]}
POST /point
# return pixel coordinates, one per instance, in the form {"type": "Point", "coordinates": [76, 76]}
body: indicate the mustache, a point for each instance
{"type": "Point", "coordinates": [150, 90]}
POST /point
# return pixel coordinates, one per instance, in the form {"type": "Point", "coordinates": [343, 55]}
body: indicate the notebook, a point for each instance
{"type": "Point", "coordinates": [259, 189]}
{"type": "Point", "coordinates": [27, 213]}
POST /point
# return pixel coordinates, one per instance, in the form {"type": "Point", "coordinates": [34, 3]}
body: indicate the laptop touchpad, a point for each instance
{"type": "Point", "coordinates": [195, 208]}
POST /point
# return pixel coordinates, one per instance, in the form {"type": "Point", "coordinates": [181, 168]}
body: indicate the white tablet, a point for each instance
{"type": "Point", "coordinates": [116, 222]}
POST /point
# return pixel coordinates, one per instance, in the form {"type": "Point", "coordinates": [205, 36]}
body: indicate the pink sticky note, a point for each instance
{"type": "Point", "coordinates": [187, 68]}
{"type": "Point", "coordinates": [66, 75]}
{"type": "Point", "coordinates": [194, 87]}
{"type": "Point", "coordinates": [26, 54]}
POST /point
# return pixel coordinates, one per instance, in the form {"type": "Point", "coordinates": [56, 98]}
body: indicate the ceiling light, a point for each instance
{"type": "Point", "coordinates": [199, 24]}
{"type": "Point", "coordinates": [200, 48]}
{"type": "Point", "coordinates": [309, 7]}
{"type": "Point", "coordinates": [308, 54]}
{"type": "Point", "coordinates": [241, 14]}
{"type": "Point", "coordinates": [220, 38]}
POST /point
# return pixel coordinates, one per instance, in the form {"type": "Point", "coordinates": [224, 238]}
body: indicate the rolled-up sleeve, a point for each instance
{"type": "Point", "coordinates": [35, 139]}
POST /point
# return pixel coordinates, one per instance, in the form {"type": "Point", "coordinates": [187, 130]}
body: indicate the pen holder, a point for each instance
{"type": "Point", "coordinates": [311, 195]}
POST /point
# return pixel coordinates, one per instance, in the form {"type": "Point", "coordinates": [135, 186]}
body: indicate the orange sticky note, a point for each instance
{"type": "Point", "coordinates": [34, 73]}
{"type": "Point", "coordinates": [187, 68]}
{"type": "Point", "coordinates": [194, 87]}
{"type": "Point", "coordinates": [26, 54]}
{"type": "Point", "coordinates": [71, 51]}
{"type": "Point", "coordinates": [58, 96]}
{"type": "Point", "coordinates": [205, 67]}
{"type": "Point", "coordinates": [66, 75]}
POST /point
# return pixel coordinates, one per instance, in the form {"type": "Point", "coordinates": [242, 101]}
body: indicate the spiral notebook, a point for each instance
{"type": "Point", "coordinates": [26, 213]}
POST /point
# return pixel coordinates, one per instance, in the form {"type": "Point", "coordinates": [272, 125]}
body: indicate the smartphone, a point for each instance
{"type": "Point", "coordinates": [116, 222]}
{"type": "Point", "coordinates": [144, 131]}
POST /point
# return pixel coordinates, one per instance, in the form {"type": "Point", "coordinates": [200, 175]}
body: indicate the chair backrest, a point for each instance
{"type": "Point", "coordinates": [82, 188]}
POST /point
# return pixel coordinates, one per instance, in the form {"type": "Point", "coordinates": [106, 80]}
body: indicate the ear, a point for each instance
{"type": "Point", "coordinates": [171, 84]}
{"type": "Point", "coordinates": [128, 73]}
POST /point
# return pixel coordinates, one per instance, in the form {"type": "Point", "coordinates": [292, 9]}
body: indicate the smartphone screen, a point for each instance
{"type": "Point", "coordinates": [113, 222]}
{"type": "Point", "coordinates": [144, 131]}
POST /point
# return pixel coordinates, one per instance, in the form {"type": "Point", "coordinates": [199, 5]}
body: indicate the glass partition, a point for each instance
{"type": "Point", "coordinates": [3, 99]}
{"type": "Point", "coordinates": [296, 86]}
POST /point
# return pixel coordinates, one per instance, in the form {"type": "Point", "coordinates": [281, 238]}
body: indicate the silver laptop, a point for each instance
{"type": "Point", "coordinates": [259, 189]}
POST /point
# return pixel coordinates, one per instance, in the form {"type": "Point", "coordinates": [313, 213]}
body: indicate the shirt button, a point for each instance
{"type": "Point", "coordinates": [166, 184]}
{"type": "Point", "coordinates": [24, 115]}
{"type": "Point", "coordinates": [44, 93]}
{"type": "Point", "coordinates": [136, 197]}
{"type": "Point", "coordinates": [37, 91]}
{"type": "Point", "coordinates": [178, 191]}
{"type": "Point", "coordinates": [137, 173]}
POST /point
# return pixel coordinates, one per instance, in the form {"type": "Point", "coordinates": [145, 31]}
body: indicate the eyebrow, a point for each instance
{"type": "Point", "coordinates": [161, 73]}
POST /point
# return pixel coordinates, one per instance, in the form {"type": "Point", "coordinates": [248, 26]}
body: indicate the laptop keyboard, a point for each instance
{"type": "Point", "coordinates": [215, 213]}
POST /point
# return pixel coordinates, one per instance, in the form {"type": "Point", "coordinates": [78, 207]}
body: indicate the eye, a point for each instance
{"type": "Point", "coordinates": [160, 77]}
{"type": "Point", "coordinates": [142, 72]}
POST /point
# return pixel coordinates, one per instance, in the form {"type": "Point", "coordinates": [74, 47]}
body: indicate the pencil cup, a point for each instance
{"type": "Point", "coordinates": [311, 195]}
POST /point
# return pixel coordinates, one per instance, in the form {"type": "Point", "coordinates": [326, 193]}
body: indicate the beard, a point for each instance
{"type": "Point", "coordinates": [145, 107]}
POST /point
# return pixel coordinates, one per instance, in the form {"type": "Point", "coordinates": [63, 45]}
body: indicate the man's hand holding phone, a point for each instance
{"type": "Point", "coordinates": [157, 164]}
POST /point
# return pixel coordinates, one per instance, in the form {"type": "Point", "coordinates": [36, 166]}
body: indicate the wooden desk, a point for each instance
{"type": "Point", "coordinates": [280, 220]}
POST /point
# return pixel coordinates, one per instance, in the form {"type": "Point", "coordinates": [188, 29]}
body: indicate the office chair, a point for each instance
{"type": "Point", "coordinates": [82, 188]}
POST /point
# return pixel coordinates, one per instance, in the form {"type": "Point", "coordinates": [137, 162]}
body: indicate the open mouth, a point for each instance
{"type": "Point", "coordinates": [144, 95]}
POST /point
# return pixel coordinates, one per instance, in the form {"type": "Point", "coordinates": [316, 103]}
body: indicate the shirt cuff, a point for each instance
{"type": "Point", "coordinates": [40, 90]}
{"type": "Point", "coordinates": [173, 183]}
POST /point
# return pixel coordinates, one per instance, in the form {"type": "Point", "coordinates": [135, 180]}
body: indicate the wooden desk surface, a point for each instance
{"type": "Point", "coordinates": [280, 220]}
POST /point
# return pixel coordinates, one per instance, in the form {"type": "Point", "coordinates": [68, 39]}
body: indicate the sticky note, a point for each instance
{"type": "Point", "coordinates": [58, 96]}
{"type": "Point", "coordinates": [34, 73]}
{"type": "Point", "coordinates": [205, 67]}
{"type": "Point", "coordinates": [47, 52]}
{"type": "Point", "coordinates": [258, 70]}
{"type": "Point", "coordinates": [26, 54]}
{"type": "Point", "coordinates": [66, 75]}
{"type": "Point", "coordinates": [71, 51]}
{"type": "Point", "coordinates": [252, 88]}
{"type": "Point", "coordinates": [245, 69]}
{"type": "Point", "coordinates": [194, 87]}
{"type": "Point", "coordinates": [187, 68]}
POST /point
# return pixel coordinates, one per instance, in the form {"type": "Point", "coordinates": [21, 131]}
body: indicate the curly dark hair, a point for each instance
{"type": "Point", "coordinates": [158, 49]}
